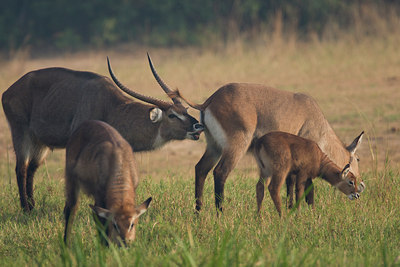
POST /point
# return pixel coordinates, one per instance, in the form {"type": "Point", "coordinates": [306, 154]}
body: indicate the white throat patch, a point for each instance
{"type": "Point", "coordinates": [158, 141]}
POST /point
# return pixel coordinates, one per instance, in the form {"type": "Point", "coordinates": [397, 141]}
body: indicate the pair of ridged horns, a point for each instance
{"type": "Point", "coordinates": [160, 103]}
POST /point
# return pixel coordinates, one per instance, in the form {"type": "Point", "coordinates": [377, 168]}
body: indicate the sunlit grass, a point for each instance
{"type": "Point", "coordinates": [337, 232]}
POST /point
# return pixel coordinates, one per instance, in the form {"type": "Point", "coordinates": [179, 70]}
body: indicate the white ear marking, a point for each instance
{"type": "Point", "coordinates": [345, 171]}
{"type": "Point", "coordinates": [141, 211]}
{"type": "Point", "coordinates": [142, 208]}
{"type": "Point", "coordinates": [155, 115]}
{"type": "Point", "coordinates": [138, 214]}
{"type": "Point", "coordinates": [355, 144]}
{"type": "Point", "coordinates": [101, 212]}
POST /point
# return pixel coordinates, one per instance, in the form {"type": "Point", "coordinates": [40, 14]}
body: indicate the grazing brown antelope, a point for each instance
{"type": "Point", "coordinates": [45, 106]}
{"type": "Point", "coordinates": [282, 155]}
{"type": "Point", "coordinates": [237, 114]}
{"type": "Point", "coordinates": [100, 161]}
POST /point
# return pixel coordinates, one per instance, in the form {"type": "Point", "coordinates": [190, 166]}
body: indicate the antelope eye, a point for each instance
{"type": "Point", "coordinates": [130, 227]}
{"type": "Point", "coordinates": [171, 116]}
{"type": "Point", "coordinates": [351, 183]}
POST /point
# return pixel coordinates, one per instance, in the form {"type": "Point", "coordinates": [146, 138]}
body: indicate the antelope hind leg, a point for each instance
{"type": "Point", "coordinates": [38, 156]}
{"type": "Point", "coordinates": [227, 163]}
{"type": "Point", "coordinates": [290, 181]}
{"type": "Point", "coordinates": [274, 188]}
{"type": "Point", "coordinates": [202, 169]}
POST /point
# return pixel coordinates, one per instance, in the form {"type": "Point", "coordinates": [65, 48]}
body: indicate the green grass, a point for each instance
{"type": "Point", "coordinates": [354, 81]}
{"type": "Point", "coordinates": [338, 232]}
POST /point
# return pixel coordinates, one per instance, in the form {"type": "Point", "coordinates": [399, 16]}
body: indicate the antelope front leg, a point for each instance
{"type": "Point", "coordinates": [260, 191]}
{"type": "Point", "coordinates": [299, 192]}
{"type": "Point", "coordinates": [310, 195]}
{"type": "Point", "coordinates": [70, 208]}
{"type": "Point", "coordinates": [203, 167]}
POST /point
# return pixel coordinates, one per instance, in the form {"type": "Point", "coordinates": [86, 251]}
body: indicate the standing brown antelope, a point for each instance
{"type": "Point", "coordinates": [100, 161]}
{"type": "Point", "coordinates": [281, 156]}
{"type": "Point", "coordinates": [237, 114]}
{"type": "Point", "coordinates": [45, 106]}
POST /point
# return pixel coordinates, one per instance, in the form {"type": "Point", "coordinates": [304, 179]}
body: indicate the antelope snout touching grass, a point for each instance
{"type": "Point", "coordinates": [101, 162]}
{"type": "Point", "coordinates": [281, 156]}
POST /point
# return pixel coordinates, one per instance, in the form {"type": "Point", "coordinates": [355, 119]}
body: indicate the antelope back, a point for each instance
{"type": "Point", "coordinates": [257, 109]}
{"type": "Point", "coordinates": [284, 152]}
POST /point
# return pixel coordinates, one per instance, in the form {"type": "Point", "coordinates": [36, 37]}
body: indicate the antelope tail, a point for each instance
{"type": "Point", "coordinates": [257, 151]}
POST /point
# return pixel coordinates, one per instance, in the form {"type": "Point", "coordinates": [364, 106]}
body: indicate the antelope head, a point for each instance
{"type": "Point", "coordinates": [175, 95]}
{"type": "Point", "coordinates": [121, 224]}
{"type": "Point", "coordinates": [172, 118]}
{"type": "Point", "coordinates": [348, 185]}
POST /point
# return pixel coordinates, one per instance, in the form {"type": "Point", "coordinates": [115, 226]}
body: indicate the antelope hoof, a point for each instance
{"type": "Point", "coordinates": [31, 204]}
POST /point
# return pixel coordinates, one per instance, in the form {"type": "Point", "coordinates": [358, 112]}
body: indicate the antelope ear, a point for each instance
{"type": "Point", "coordinates": [356, 142]}
{"type": "Point", "coordinates": [345, 171]}
{"type": "Point", "coordinates": [142, 208]}
{"type": "Point", "coordinates": [104, 213]}
{"type": "Point", "coordinates": [155, 115]}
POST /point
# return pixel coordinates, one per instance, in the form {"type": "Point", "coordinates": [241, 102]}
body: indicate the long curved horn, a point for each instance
{"type": "Point", "coordinates": [165, 87]}
{"type": "Point", "coordinates": [160, 103]}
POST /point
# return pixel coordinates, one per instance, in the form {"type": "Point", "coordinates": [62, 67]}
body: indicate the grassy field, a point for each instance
{"type": "Point", "coordinates": [356, 83]}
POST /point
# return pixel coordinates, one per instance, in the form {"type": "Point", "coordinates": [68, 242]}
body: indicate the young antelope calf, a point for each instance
{"type": "Point", "coordinates": [101, 162]}
{"type": "Point", "coordinates": [282, 155]}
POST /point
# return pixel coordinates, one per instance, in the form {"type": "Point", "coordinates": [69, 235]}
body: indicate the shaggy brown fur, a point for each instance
{"type": "Point", "coordinates": [101, 162]}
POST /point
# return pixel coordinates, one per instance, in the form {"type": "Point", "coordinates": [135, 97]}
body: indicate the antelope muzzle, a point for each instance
{"type": "Point", "coordinates": [197, 129]}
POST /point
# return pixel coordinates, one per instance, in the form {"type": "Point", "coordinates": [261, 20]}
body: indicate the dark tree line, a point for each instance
{"type": "Point", "coordinates": [72, 24]}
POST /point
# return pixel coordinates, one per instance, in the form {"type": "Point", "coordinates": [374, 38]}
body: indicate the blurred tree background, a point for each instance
{"type": "Point", "coordinates": [70, 25]}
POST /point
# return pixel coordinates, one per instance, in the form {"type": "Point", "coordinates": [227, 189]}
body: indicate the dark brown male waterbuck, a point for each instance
{"type": "Point", "coordinates": [281, 156]}
{"type": "Point", "coordinates": [237, 114]}
{"type": "Point", "coordinates": [100, 161]}
{"type": "Point", "coordinates": [45, 106]}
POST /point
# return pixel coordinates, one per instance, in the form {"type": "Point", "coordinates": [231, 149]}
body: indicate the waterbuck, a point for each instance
{"type": "Point", "coordinates": [45, 106]}
{"type": "Point", "coordinates": [282, 155]}
{"type": "Point", "coordinates": [237, 114]}
{"type": "Point", "coordinates": [100, 161]}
